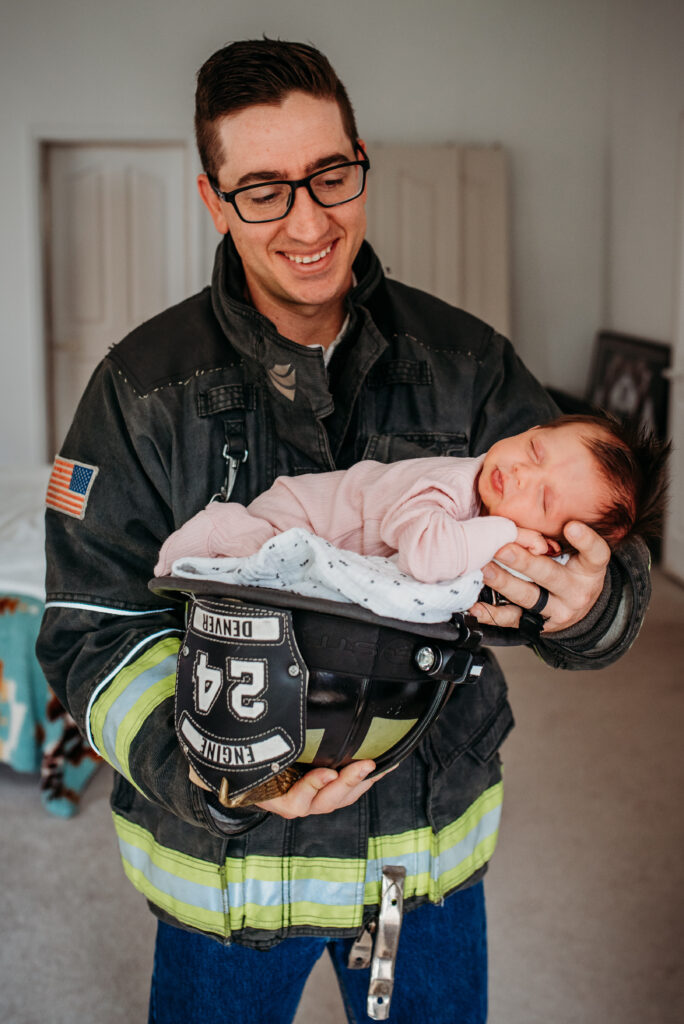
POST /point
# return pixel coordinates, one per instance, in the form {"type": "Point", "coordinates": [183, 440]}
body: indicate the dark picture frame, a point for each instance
{"type": "Point", "coordinates": [626, 379]}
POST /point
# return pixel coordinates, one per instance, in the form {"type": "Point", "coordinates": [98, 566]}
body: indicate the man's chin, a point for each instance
{"type": "Point", "coordinates": [314, 294]}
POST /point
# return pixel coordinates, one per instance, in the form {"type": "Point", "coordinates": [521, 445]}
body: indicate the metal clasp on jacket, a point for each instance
{"type": "Point", "coordinates": [233, 463]}
{"type": "Point", "coordinates": [386, 943]}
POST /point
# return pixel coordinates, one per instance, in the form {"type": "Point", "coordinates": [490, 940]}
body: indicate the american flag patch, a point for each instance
{"type": "Point", "coordinates": [69, 486]}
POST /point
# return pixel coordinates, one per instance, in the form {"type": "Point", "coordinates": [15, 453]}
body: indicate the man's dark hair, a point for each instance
{"type": "Point", "coordinates": [633, 462]}
{"type": "Point", "coordinates": [254, 71]}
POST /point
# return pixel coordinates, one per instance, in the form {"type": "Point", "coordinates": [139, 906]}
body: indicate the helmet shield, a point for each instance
{"type": "Point", "coordinates": [240, 695]}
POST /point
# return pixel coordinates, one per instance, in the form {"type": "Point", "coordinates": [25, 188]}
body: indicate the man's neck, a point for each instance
{"type": "Point", "coordinates": [305, 325]}
{"type": "Point", "coordinates": [320, 328]}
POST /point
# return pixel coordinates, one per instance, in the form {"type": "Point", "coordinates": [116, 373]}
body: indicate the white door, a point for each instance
{"type": "Point", "coordinates": [438, 217]}
{"type": "Point", "coordinates": [673, 551]}
{"type": "Point", "coordinates": [116, 254]}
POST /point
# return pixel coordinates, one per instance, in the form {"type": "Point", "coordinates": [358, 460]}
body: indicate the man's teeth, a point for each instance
{"type": "Point", "coordinates": [309, 259]}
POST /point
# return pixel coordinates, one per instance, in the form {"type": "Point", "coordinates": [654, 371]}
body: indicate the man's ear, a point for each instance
{"type": "Point", "coordinates": [364, 194]}
{"type": "Point", "coordinates": [213, 204]}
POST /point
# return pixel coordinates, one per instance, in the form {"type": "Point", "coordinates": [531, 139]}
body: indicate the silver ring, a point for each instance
{"type": "Point", "coordinates": [541, 601]}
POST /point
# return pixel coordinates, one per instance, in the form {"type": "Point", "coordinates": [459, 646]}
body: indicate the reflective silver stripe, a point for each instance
{"type": "Point", "coordinates": [102, 608]}
{"type": "Point", "coordinates": [192, 892]}
{"type": "Point", "coordinates": [425, 861]}
{"type": "Point", "coordinates": [270, 892]}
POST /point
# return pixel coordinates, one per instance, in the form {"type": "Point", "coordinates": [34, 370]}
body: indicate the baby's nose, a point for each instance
{"type": "Point", "coordinates": [524, 473]}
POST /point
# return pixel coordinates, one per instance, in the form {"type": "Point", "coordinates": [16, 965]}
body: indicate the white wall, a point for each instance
{"type": "Point", "coordinates": [592, 143]}
{"type": "Point", "coordinates": [646, 105]}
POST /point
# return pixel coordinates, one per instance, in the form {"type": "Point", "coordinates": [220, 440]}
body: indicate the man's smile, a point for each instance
{"type": "Point", "coordinates": [315, 257]}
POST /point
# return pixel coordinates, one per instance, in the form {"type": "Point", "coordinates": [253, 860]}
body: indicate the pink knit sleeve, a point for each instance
{"type": "Point", "coordinates": [433, 544]}
{"type": "Point", "coordinates": [221, 529]}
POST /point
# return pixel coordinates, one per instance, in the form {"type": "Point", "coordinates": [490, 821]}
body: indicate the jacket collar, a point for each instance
{"type": "Point", "coordinates": [295, 373]}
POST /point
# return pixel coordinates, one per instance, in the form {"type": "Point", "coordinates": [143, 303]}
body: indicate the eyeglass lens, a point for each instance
{"type": "Point", "coordinates": [272, 200]}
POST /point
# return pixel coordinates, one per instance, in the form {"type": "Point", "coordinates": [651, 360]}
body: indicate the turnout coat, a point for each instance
{"type": "Point", "coordinates": [212, 378]}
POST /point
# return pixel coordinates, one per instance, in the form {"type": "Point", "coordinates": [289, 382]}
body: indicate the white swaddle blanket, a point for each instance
{"type": "Point", "coordinates": [302, 563]}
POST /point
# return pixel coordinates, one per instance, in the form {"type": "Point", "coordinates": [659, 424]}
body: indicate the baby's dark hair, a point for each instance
{"type": "Point", "coordinates": [633, 462]}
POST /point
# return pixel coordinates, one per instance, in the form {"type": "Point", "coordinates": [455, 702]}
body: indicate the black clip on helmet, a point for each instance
{"type": "Point", "coordinates": [270, 684]}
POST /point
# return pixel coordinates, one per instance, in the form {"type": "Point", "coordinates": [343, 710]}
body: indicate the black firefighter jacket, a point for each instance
{"type": "Point", "coordinates": [412, 377]}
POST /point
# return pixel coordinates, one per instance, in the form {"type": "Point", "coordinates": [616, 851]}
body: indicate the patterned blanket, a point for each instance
{"type": "Point", "coordinates": [36, 734]}
{"type": "Point", "coordinates": [301, 563]}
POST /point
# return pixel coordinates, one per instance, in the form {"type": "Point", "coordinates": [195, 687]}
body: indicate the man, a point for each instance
{"type": "Point", "coordinates": [300, 358]}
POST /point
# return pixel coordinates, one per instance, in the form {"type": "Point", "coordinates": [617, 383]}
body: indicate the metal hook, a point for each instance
{"type": "Point", "coordinates": [233, 464]}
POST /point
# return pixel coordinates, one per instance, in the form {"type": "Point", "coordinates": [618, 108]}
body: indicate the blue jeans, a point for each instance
{"type": "Point", "coordinates": [440, 978]}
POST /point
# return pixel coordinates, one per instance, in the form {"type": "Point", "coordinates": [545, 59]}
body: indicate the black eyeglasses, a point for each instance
{"type": "Point", "coordinates": [273, 200]}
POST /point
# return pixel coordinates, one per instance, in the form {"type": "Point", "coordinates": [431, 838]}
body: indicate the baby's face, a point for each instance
{"type": "Point", "coordinates": [543, 478]}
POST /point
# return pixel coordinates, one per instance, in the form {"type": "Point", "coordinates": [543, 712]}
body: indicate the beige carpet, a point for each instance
{"type": "Point", "coordinates": [585, 891]}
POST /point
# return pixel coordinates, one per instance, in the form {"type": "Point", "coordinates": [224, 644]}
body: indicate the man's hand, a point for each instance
{"type": "Point", "coordinates": [322, 790]}
{"type": "Point", "coordinates": [573, 588]}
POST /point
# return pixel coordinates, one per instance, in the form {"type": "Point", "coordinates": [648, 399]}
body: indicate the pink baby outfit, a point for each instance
{"type": "Point", "coordinates": [426, 510]}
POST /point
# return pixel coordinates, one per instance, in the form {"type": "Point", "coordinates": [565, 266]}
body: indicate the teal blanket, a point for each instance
{"type": "Point", "coordinates": [36, 734]}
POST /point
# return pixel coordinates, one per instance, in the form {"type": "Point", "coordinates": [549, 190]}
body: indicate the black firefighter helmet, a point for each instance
{"type": "Point", "coordinates": [270, 684]}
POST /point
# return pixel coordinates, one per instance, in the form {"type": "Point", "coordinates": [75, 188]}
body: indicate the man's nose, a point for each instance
{"type": "Point", "coordinates": [307, 220]}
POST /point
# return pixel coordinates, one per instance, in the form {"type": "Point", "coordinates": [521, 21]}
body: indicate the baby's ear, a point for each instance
{"type": "Point", "coordinates": [553, 547]}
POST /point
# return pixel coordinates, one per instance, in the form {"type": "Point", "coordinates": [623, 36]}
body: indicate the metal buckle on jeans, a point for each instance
{"type": "Point", "coordinates": [386, 943]}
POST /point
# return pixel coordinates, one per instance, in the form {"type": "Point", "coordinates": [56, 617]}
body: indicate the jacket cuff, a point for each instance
{"type": "Point", "coordinates": [612, 625]}
{"type": "Point", "coordinates": [232, 821]}
{"type": "Point", "coordinates": [588, 630]}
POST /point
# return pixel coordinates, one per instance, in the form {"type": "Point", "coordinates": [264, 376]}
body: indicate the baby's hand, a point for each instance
{"type": "Point", "coordinates": [536, 543]}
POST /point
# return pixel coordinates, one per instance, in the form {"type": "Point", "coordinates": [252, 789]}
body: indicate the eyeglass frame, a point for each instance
{"type": "Point", "coordinates": [229, 197]}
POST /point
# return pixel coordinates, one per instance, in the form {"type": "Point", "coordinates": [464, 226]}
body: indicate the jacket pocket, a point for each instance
{"type": "Point", "coordinates": [415, 445]}
{"type": "Point", "coordinates": [461, 749]}
{"type": "Point", "coordinates": [475, 721]}
{"type": "Point", "coordinates": [494, 733]}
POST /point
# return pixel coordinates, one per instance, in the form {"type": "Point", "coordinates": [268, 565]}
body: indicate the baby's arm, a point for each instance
{"type": "Point", "coordinates": [221, 529]}
{"type": "Point", "coordinates": [232, 530]}
{"type": "Point", "coordinates": [433, 545]}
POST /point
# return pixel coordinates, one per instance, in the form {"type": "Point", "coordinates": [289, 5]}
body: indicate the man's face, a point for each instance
{"type": "Point", "coordinates": [289, 141]}
{"type": "Point", "coordinates": [543, 478]}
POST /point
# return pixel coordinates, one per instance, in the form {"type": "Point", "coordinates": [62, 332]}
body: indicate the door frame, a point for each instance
{"type": "Point", "coordinates": [673, 564]}
{"type": "Point", "coordinates": [41, 139]}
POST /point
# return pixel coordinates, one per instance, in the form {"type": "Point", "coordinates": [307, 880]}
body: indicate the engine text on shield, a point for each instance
{"type": "Point", "coordinates": [236, 755]}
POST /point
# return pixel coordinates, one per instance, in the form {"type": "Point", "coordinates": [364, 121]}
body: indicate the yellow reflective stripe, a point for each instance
{"type": "Point", "coordinates": [133, 694]}
{"type": "Point", "coordinates": [326, 916]}
{"type": "Point", "coordinates": [273, 892]}
{"type": "Point", "coordinates": [382, 734]}
{"type": "Point", "coordinates": [388, 845]}
{"type": "Point", "coordinates": [437, 863]}
{"type": "Point", "coordinates": [270, 893]}
{"type": "Point", "coordinates": [424, 884]}
{"type": "Point", "coordinates": [182, 865]}
{"type": "Point", "coordinates": [270, 869]}
{"type": "Point", "coordinates": [312, 742]}
{"type": "Point", "coordinates": [187, 888]}
{"type": "Point", "coordinates": [141, 710]}
{"type": "Point", "coordinates": [203, 920]}
{"type": "Point", "coordinates": [194, 891]}
{"type": "Point", "coordinates": [301, 914]}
